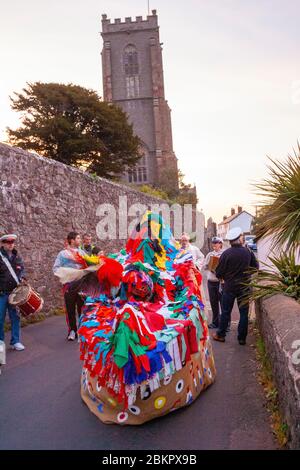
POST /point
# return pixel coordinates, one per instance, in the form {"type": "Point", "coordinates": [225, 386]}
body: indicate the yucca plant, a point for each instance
{"type": "Point", "coordinates": [286, 281]}
{"type": "Point", "coordinates": [280, 212]}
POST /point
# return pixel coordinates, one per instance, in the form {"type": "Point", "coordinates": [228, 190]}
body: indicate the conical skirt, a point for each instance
{"type": "Point", "coordinates": [176, 391]}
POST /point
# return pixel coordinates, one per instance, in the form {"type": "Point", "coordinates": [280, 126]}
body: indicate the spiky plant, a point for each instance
{"type": "Point", "coordinates": [285, 281]}
{"type": "Point", "coordinates": [280, 212]}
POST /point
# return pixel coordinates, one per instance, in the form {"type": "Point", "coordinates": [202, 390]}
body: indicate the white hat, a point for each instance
{"type": "Point", "coordinates": [8, 236]}
{"type": "Point", "coordinates": [234, 234]}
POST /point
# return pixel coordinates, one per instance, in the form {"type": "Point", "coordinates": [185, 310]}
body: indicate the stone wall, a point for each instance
{"type": "Point", "coordinates": [42, 200]}
{"type": "Point", "coordinates": [279, 323]}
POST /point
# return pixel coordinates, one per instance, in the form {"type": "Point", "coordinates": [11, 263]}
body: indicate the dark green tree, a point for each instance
{"type": "Point", "coordinates": [70, 124]}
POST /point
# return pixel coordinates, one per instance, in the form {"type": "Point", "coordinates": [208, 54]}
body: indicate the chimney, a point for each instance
{"type": "Point", "coordinates": [232, 211]}
{"type": "Point", "coordinates": [240, 209]}
{"type": "Point", "coordinates": [224, 217]}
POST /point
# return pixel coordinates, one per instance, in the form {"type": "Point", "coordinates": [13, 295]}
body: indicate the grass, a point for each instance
{"type": "Point", "coordinates": [37, 318]}
{"type": "Point", "coordinates": [265, 377]}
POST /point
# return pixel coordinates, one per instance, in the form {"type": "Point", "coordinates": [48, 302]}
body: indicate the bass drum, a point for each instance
{"type": "Point", "coordinates": [26, 299]}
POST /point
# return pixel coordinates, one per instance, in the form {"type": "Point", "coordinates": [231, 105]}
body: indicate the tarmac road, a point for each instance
{"type": "Point", "coordinates": [41, 407]}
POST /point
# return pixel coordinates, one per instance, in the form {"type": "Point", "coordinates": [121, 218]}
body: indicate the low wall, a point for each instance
{"type": "Point", "coordinates": [41, 200]}
{"type": "Point", "coordinates": [278, 319]}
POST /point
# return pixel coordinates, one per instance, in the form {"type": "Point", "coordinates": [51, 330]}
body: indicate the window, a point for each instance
{"type": "Point", "coordinates": [131, 69]}
{"type": "Point", "coordinates": [132, 87]}
{"type": "Point", "coordinates": [131, 65]}
{"type": "Point", "coordinates": [139, 173]}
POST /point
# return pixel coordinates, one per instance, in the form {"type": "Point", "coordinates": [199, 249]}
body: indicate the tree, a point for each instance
{"type": "Point", "coordinates": [171, 181]}
{"type": "Point", "coordinates": [70, 124]}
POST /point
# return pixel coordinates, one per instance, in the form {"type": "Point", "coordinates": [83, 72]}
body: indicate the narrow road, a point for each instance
{"type": "Point", "coordinates": [41, 407]}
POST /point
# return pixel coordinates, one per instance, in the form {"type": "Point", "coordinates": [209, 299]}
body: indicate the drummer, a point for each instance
{"type": "Point", "coordinates": [11, 274]}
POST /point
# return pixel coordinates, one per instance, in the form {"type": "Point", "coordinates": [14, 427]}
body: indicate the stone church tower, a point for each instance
{"type": "Point", "coordinates": [133, 79]}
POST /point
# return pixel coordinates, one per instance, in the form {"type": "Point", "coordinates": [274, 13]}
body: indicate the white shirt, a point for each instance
{"type": "Point", "coordinates": [198, 256]}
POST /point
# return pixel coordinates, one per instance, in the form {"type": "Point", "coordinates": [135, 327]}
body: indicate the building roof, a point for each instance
{"type": "Point", "coordinates": [229, 219]}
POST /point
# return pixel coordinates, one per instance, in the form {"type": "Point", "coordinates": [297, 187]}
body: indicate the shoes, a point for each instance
{"type": "Point", "coordinates": [212, 326]}
{"type": "Point", "coordinates": [72, 335]}
{"type": "Point", "coordinates": [18, 346]}
{"type": "Point", "coordinates": [242, 342]}
{"type": "Point", "coordinates": [216, 337]}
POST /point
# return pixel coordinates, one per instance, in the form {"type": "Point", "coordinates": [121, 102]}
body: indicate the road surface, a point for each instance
{"type": "Point", "coordinates": [41, 407]}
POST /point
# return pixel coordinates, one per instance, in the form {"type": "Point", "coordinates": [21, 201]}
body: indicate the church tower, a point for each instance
{"type": "Point", "coordinates": [133, 79]}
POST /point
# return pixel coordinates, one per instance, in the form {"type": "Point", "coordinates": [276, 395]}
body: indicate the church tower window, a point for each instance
{"type": "Point", "coordinates": [139, 173]}
{"type": "Point", "coordinates": [131, 70]}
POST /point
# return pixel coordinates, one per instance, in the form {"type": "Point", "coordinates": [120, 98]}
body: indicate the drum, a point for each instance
{"type": "Point", "coordinates": [26, 299]}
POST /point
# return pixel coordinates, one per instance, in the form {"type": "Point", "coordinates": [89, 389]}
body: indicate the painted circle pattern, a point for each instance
{"type": "Point", "coordinates": [122, 417]}
{"type": "Point", "coordinates": [134, 410]}
{"type": "Point", "coordinates": [179, 386]}
{"type": "Point", "coordinates": [160, 402]}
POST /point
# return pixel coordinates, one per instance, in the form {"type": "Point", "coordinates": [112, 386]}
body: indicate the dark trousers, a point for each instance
{"type": "Point", "coordinates": [215, 297]}
{"type": "Point", "coordinates": [73, 301]}
{"type": "Point", "coordinates": [228, 299]}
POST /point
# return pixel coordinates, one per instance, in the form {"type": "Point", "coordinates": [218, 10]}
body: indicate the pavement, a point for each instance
{"type": "Point", "coordinates": [41, 407]}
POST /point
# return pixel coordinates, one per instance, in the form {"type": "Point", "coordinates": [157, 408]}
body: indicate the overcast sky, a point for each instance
{"type": "Point", "coordinates": [232, 78]}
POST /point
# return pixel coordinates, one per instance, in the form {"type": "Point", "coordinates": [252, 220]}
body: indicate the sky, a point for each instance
{"type": "Point", "coordinates": [231, 69]}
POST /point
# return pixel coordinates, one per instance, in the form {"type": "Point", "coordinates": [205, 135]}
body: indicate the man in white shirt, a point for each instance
{"type": "Point", "coordinates": [198, 256]}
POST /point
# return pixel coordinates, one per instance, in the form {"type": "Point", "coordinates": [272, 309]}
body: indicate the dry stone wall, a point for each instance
{"type": "Point", "coordinates": [278, 319]}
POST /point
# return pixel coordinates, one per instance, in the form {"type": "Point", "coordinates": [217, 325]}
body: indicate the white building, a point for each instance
{"type": "Point", "coordinates": [240, 219]}
{"type": "Point", "coordinates": [265, 250]}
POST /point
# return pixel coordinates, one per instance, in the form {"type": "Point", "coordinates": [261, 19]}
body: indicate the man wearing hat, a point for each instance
{"type": "Point", "coordinates": [11, 274]}
{"type": "Point", "coordinates": [197, 255]}
{"type": "Point", "coordinates": [213, 283]}
{"type": "Point", "coordinates": [233, 269]}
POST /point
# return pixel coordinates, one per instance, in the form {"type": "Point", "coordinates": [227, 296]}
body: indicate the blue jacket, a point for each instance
{"type": "Point", "coordinates": [234, 266]}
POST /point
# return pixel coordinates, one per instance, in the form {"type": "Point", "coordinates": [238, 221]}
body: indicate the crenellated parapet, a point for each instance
{"type": "Point", "coordinates": [129, 24]}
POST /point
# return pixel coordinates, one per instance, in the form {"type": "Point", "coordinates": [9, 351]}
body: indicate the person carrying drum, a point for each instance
{"type": "Point", "coordinates": [69, 258]}
{"type": "Point", "coordinates": [11, 274]}
{"type": "Point", "coordinates": [213, 283]}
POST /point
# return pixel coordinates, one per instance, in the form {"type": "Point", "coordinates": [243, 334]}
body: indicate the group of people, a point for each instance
{"type": "Point", "coordinates": [12, 274]}
{"type": "Point", "coordinates": [228, 282]}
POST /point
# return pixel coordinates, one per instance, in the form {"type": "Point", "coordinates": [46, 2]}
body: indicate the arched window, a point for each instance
{"type": "Point", "coordinates": [131, 65]}
{"type": "Point", "coordinates": [139, 174]}
{"type": "Point", "coordinates": [131, 70]}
